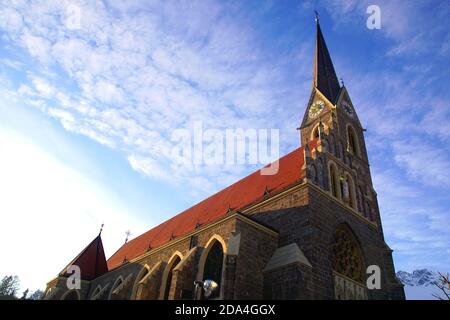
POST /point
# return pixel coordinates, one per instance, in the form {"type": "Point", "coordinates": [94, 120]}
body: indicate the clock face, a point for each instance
{"type": "Point", "coordinates": [347, 108]}
{"type": "Point", "coordinates": [316, 108]}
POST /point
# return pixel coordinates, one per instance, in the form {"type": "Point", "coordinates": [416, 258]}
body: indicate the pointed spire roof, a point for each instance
{"type": "Point", "coordinates": [91, 260]}
{"type": "Point", "coordinates": [324, 76]}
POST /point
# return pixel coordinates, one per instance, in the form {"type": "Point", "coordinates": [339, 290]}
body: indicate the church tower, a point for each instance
{"type": "Point", "coordinates": [339, 168]}
{"type": "Point", "coordinates": [331, 118]}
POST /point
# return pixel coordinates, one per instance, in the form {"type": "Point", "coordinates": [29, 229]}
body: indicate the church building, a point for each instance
{"type": "Point", "coordinates": [308, 232]}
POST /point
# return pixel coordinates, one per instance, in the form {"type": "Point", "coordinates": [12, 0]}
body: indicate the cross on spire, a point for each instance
{"type": "Point", "coordinates": [317, 18]}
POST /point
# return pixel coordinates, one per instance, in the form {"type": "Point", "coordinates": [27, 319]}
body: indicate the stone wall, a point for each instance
{"type": "Point", "coordinates": [293, 282]}
{"type": "Point", "coordinates": [255, 250]}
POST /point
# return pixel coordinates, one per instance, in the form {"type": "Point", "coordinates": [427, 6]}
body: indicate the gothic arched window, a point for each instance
{"type": "Point", "coordinates": [347, 255]}
{"type": "Point", "coordinates": [214, 264]}
{"type": "Point", "coordinates": [353, 145]}
{"type": "Point", "coordinates": [169, 279]}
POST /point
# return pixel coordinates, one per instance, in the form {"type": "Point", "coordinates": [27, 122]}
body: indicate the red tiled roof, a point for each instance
{"type": "Point", "coordinates": [91, 260]}
{"type": "Point", "coordinates": [237, 196]}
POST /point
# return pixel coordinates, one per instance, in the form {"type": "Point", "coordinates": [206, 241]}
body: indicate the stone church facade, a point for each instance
{"type": "Point", "coordinates": [308, 232]}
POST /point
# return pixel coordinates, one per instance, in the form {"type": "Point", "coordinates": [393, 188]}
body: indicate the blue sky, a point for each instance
{"type": "Point", "coordinates": [88, 103]}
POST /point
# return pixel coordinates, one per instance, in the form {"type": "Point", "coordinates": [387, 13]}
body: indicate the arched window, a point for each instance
{"type": "Point", "coordinates": [169, 279]}
{"type": "Point", "coordinates": [347, 254]}
{"type": "Point", "coordinates": [353, 144]}
{"type": "Point", "coordinates": [71, 295]}
{"type": "Point", "coordinates": [214, 265]}
{"type": "Point", "coordinates": [334, 181]}
{"type": "Point", "coordinates": [211, 264]}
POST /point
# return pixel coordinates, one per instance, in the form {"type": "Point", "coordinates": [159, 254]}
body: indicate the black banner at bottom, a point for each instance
{"type": "Point", "coordinates": [180, 310]}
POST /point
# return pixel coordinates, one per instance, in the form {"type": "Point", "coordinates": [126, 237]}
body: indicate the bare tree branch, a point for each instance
{"type": "Point", "coordinates": [444, 286]}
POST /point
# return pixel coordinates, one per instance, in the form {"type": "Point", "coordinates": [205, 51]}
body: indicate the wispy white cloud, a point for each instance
{"type": "Point", "coordinates": [436, 121]}
{"type": "Point", "coordinates": [43, 87]}
{"type": "Point", "coordinates": [10, 20]}
{"type": "Point", "coordinates": [141, 74]}
{"type": "Point", "coordinates": [38, 47]}
{"type": "Point", "coordinates": [424, 162]}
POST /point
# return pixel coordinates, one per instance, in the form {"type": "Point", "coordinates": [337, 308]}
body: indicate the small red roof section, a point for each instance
{"type": "Point", "coordinates": [91, 260]}
{"type": "Point", "coordinates": [237, 196]}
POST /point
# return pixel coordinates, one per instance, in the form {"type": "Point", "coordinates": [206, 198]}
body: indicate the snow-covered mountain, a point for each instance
{"type": "Point", "coordinates": [421, 277]}
{"type": "Point", "coordinates": [420, 284]}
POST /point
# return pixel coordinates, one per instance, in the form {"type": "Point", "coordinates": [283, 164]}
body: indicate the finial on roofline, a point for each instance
{"type": "Point", "coordinates": [127, 233]}
{"type": "Point", "coordinates": [101, 229]}
{"type": "Point", "coordinates": [266, 192]}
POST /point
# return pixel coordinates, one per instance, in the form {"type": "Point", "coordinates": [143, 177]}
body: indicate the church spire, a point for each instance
{"type": "Point", "coordinates": [324, 76]}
